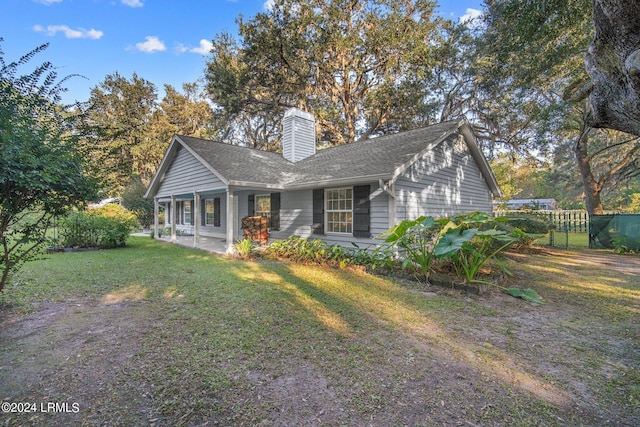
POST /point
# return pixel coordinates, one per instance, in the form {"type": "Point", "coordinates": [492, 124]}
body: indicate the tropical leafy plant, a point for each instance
{"type": "Point", "coordinates": [417, 239]}
{"type": "Point", "coordinates": [469, 240]}
{"type": "Point", "coordinates": [471, 248]}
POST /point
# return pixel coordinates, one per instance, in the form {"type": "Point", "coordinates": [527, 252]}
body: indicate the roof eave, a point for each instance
{"type": "Point", "coordinates": [353, 180]}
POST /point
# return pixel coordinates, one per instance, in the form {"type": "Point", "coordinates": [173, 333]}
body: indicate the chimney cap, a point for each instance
{"type": "Point", "coordinates": [299, 113]}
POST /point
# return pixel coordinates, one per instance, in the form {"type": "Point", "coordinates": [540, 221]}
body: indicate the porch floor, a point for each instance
{"type": "Point", "coordinates": [209, 244]}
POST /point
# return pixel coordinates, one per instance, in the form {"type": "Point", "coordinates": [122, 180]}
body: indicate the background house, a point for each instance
{"type": "Point", "coordinates": [531, 204]}
{"type": "Point", "coordinates": [350, 193]}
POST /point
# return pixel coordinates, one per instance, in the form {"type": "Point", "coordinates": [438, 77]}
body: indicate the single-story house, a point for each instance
{"type": "Point", "coordinates": [344, 194]}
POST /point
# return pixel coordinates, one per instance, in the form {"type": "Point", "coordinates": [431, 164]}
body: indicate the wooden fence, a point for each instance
{"type": "Point", "coordinates": [573, 221]}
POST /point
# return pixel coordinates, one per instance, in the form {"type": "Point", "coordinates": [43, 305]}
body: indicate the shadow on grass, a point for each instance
{"type": "Point", "coordinates": [221, 333]}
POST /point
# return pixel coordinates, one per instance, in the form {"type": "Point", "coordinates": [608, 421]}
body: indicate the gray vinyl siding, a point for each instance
{"type": "Point", "coordinates": [446, 181]}
{"type": "Point", "coordinates": [379, 212]}
{"type": "Point", "coordinates": [186, 174]}
{"type": "Point", "coordinates": [243, 210]}
{"type": "Point", "coordinates": [295, 214]}
{"type": "Point", "coordinates": [296, 217]}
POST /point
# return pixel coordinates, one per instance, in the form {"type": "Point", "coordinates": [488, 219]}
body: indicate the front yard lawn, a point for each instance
{"type": "Point", "coordinates": [156, 334]}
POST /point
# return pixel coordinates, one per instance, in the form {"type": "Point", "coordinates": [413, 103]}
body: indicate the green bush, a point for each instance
{"type": "Point", "coordinates": [317, 251]}
{"type": "Point", "coordinates": [105, 227]}
{"type": "Point", "coordinates": [244, 248]}
{"type": "Point", "coordinates": [133, 199]}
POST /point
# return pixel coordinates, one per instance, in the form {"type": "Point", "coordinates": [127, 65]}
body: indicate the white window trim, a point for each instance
{"type": "Point", "coordinates": [255, 203]}
{"type": "Point", "coordinates": [326, 213]}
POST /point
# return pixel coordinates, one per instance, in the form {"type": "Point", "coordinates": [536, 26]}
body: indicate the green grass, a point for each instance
{"type": "Point", "coordinates": [221, 339]}
{"type": "Point", "coordinates": [561, 239]}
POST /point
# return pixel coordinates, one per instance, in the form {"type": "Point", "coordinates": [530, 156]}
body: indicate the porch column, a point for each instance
{"type": "Point", "coordinates": [196, 219]}
{"type": "Point", "coordinates": [156, 212]}
{"type": "Point", "coordinates": [230, 221]}
{"type": "Point", "coordinates": [392, 206]}
{"type": "Point", "coordinates": [174, 223]}
{"type": "Point", "coordinates": [390, 189]}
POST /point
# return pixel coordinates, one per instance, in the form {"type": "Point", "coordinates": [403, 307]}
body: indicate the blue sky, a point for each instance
{"type": "Point", "coordinates": [163, 41]}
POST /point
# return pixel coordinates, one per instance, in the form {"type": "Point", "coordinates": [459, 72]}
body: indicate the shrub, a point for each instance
{"type": "Point", "coordinates": [317, 251]}
{"type": "Point", "coordinates": [244, 248]}
{"type": "Point", "coordinates": [528, 227]}
{"type": "Point", "coordinates": [133, 199]}
{"type": "Point", "coordinates": [105, 227]}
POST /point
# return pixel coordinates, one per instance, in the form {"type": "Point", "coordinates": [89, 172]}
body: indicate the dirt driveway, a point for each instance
{"type": "Point", "coordinates": [573, 361]}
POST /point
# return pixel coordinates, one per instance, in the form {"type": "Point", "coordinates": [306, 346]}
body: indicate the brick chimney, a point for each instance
{"type": "Point", "coordinates": [299, 135]}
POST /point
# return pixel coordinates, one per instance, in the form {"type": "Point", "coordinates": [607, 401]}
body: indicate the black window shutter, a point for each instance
{"type": "Point", "coordinates": [361, 214]}
{"type": "Point", "coordinates": [252, 205]}
{"type": "Point", "coordinates": [203, 212]}
{"type": "Point", "coordinates": [193, 211]}
{"type": "Point", "coordinates": [216, 212]}
{"type": "Point", "coordinates": [318, 211]}
{"type": "Point", "coordinates": [275, 211]}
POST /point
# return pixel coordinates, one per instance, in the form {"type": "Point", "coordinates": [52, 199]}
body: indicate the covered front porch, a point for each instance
{"type": "Point", "coordinates": [201, 219]}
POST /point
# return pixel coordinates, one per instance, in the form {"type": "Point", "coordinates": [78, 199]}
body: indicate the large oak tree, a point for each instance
{"type": "Point", "coordinates": [351, 62]}
{"type": "Point", "coordinates": [613, 63]}
{"type": "Point", "coordinates": [534, 54]}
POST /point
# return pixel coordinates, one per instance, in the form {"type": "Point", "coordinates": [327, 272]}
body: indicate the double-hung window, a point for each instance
{"type": "Point", "coordinates": [339, 208]}
{"type": "Point", "coordinates": [263, 206]}
{"type": "Point", "coordinates": [187, 212]}
{"type": "Point", "coordinates": [209, 212]}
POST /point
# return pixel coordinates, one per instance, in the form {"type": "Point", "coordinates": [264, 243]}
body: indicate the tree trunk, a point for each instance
{"type": "Point", "coordinates": [592, 187]}
{"type": "Point", "coordinates": [613, 62]}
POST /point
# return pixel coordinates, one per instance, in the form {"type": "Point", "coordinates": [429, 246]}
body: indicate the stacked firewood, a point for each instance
{"type": "Point", "coordinates": [255, 229]}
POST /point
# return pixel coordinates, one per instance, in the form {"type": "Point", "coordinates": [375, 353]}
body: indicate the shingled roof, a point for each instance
{"type": "Point", "coordinates": [363, 161]}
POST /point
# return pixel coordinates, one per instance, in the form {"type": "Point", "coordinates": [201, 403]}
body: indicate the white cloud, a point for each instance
{"type": "Point", "coordinates": [204, 48]}
{"type": "Point", "coordinates": [472, 17]}
{"type": "Point", "coordinates": [48, 2]}
{"type": "Point", "coordinates": [153, 44]}
{"type": "Point", "coordinates": [132, 3]}
{"type": "Point", "coordinates": [80, 33]}
{"type": "Point", "coordinates": [180, 48]}
{"type": "Point", "coordinates": [268, 5]}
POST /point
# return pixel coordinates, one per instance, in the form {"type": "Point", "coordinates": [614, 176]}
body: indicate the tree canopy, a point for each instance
{"type": "Point", "coordinates": [355, 63]}
{"type": "Point", "coordinates": [533, 58]}
{"type": "Point", "coordinates": [129, 130]}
